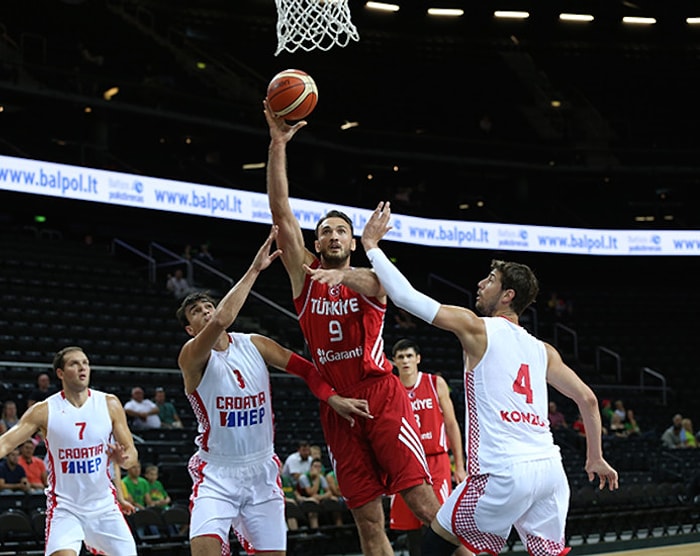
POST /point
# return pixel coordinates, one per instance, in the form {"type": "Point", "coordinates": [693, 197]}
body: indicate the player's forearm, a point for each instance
{"type": "Point", "coordinates": [303, 368]}
{"type": "Point", "coordinates": [277, 182]}
{"type": "Point", "coordinates": [455, 441]}
{"type": "Point", "coordinates": [363, 281]}
{"type": "Point", "coordinates": [588, 407]}
{"type": "Point", "coordinates": [233, 301]}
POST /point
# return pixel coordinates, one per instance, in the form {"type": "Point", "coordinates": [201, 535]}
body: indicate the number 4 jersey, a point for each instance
{"type": "Point", "coordinates": [506, 401]}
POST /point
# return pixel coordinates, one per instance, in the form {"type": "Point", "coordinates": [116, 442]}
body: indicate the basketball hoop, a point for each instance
{"type": "Point", "coordinates": [310, 24]}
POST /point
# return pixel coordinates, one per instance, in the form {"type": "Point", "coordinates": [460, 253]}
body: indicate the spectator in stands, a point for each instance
{"type": "Point", "coordinates": [671, 437]}
{"type": "Point", "coordinates": [335, 490]}
{"type": "Point", "coordinates": [144, 413]}
{"type": "Point", "coordinates": [313, 483]}
{"type": "Point", "coordinates": [205, 256]}
{"type": "Point", "coordinates": [136, 486]}
{"type": "Point", "coordinates": [314, 486]}
{"type": "Point", "coordinates": [169, 419]}
{"type": "Point", "coordinates": [8, 417]}
{"type": "Point", "coordinates": [156, 496]}
{"type": "Point", "coordinates": [299, 462]}
{"type": "Point", "coordinates": [563, 434]}
{"type": "Point", "coordinates": [291, 498]}
{"type": "Point", "coordinates": [43, 389]}
{"type": "Point", "coordinates": [687, 434]}
{"type": "Point", "coordinates": [333, 485]}
{"type": "Point", "coordinates": [12, 475]}
{"type": "Point", "coordinates": [631, 424]}
{"type": "Point", "coordinates": [617, 428]}
{"type": "Point", "coordinates": [34, 467]}
{"type": "Point", "coordinates": [560, 307]}
{"type": "Point", "coordinates": [178, 285]}
{"type": "Point", "coordinates": [606, 412]}
{"type": "Point", "coordinates": [557, 421]}
{"type": "Point", "coordinates": [316, 452]}
{"type": "Point", "coordinates": [620, 410]}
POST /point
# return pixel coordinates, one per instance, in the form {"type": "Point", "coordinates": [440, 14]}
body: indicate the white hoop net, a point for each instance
{"type": "Point", "coordinates": [310, 24]}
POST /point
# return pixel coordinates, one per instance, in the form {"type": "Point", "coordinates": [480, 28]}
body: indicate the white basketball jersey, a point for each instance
{"type": "Point", "coordinates": [233, 406]}
{"type": "Point", "coordinates": [506, 401]}
{"type": "Point", "coordinates": [77, 462]}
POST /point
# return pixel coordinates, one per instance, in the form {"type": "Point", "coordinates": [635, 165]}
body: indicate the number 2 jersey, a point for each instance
{"type": "Point", "coordinates": [343, 330]}
{"type": "Point", "coordinates": [78, 465]}
{"type": "Point", "coordinates": [506, 401]}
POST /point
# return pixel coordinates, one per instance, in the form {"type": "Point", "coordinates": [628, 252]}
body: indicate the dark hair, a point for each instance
{"type": "Point", "coordinates": [335, 214]}
{"type": "Point", "coordinates": [190, 300]}
{"type": "Point", "coordinates": [405, 343]}
{"type": "Point", "coordinates": [519, 278]}
{"type": "Point", "coordinates": [58, 359]}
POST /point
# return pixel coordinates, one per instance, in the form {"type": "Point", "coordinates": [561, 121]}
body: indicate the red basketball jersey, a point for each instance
{"type": "Point", "coordinates": [343, 330]}
{"type": "Point", "coordinates": [426, 407]}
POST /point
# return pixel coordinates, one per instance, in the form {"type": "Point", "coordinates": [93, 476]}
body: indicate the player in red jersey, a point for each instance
{"type": "Point", "coordinates": [343, 325]}
{"type": "Point", "coordinates": [430, 399]}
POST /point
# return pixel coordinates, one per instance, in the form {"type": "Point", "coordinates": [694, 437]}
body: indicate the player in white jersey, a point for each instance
{"type": "Point", "coordinates": [83, 429]}
{"type": "Point", "coordinates": [515, 476]}
{"type": "Point", "coordinates": [235, 472]}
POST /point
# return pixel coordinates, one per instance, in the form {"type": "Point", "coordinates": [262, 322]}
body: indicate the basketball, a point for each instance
{"type": "Point", "coordinates": [292, 94]}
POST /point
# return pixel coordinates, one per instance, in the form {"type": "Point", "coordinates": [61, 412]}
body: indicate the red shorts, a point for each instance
{"type": "Point", "coordinates": [377, 456]}
{"type": "Point", "coordinates": [402, 518]}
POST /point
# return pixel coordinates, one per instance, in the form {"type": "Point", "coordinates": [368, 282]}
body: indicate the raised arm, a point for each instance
{"type": "Point", "coordinates": [290, 238]}
{"type": "Point", "coordinates": [195, 353]}
{"type": "Point", "coordinates": [464, 323]}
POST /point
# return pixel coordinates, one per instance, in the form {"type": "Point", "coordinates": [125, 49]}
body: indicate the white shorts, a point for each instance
{"type": "Point", "coordinates": [247, 497]}
{"type": "Point", "coordinates": [104, 532]}
{"type": "Point", "coordinates": [532, 496]}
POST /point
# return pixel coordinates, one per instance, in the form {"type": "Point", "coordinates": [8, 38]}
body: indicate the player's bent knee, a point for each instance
{"type": "Point", "coordinates": [435, 545]}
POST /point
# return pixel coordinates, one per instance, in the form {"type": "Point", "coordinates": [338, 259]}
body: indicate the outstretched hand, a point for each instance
{"type": "Point", "coordinates": [377, 226]}
{"type": "Point", "coordinates": [348, 407]}
{"type": "Point", "coordinates": [263, 257]}
{"type": "Point", "coordinates": [607, 474]}
{"type": "Point", "coordinates": [279, 128]}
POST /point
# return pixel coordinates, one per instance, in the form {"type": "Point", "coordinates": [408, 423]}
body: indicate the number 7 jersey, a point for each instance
{"type": "Point", "coordinates": [343, 330]}
{"type": "Point", "coordinates": [76, 442]}
{"type": "Point", "coordinates": [506, 401]}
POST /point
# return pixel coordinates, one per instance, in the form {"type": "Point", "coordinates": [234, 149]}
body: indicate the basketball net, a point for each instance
{"type": "Point", "coordinates": [310, 24]}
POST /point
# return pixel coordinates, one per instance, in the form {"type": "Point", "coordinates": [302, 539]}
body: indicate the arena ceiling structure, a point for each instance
{"type": "Point", "coordinates": [537, 120]}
